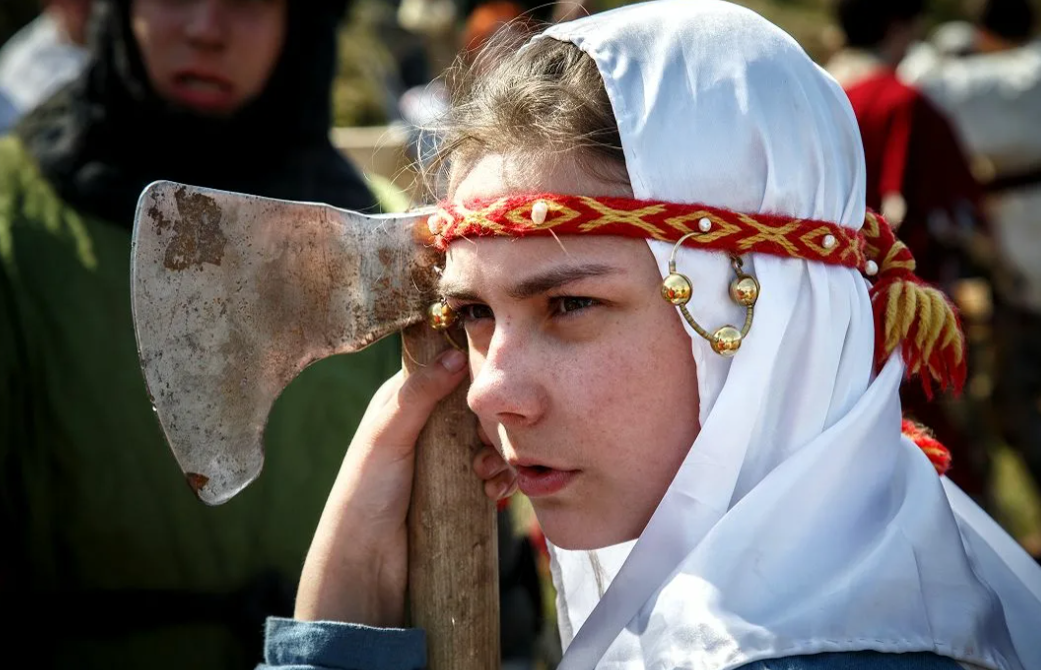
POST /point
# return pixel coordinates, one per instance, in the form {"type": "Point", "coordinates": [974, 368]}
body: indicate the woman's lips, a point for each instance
{"type": "Point", "coordinates": [536, 481]}
{"type": "Point", "coordinates": [203, 91]}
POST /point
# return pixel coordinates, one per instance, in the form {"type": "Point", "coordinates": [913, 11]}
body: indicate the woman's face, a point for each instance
{"type": "Point", "coordinates": [211, 56]}
{"type": "Point", "coordinates": [583, 376]}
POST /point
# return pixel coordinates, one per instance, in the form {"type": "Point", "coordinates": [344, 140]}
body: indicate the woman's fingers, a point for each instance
{"type": "Point", "coordinates": [402, 406]}
{"type": "Point", "coordinates": [499, 478]}
{"type": "Point", "coordinates": [488, 463]}
{"type": "Point", "coordinates": [501, 486]}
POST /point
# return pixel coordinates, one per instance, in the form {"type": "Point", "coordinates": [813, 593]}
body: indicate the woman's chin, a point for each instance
{"type": "Point", "coordinates": [576, 532]}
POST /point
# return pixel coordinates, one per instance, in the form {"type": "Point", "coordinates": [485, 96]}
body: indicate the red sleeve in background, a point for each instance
{"type": "Point", "coordinates": [911, 149]}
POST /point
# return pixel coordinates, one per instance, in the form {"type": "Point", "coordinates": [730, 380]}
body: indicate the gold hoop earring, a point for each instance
{"type": "Point", "coordinates": [677, 289]}
{"type": "Point", "coordinates": [442, 317]}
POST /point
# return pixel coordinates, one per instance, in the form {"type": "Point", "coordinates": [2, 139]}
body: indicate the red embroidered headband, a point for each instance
{"type": "Point", "coordinates": [907, 312]}
{"type": "Point", "coordinates": [720, 229]}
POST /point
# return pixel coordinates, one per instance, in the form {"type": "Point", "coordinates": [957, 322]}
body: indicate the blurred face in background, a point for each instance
{"type": "Point", "coordinates": [210, 56]}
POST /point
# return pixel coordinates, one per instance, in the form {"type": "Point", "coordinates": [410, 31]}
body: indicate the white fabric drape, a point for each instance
{"type": "Point", "coordinates": [800, 521]}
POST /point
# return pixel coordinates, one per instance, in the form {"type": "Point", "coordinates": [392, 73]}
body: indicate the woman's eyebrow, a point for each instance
{"type": "Point", "coordinates": [531, 286]}
{"type": "Point", "coordinates": [557, 277]}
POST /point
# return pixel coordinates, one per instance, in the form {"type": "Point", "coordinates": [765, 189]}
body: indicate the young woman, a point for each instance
{"type": "Point", "coordinates": [721, 473]}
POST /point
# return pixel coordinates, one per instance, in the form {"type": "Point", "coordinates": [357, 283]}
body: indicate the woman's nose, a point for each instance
{"type": "Point", "coordinates": [206, 23]}
{"type": "Point", "coordinates": [505, 387]}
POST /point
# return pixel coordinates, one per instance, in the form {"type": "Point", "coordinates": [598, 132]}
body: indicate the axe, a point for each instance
{"type": "Point", "coordinates": [233, 295]}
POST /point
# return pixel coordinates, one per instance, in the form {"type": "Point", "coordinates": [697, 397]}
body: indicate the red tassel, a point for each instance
{"type": "Point", "coordinates": [912, 315]}
{"type": "Point", "coordinates": [937, 454]}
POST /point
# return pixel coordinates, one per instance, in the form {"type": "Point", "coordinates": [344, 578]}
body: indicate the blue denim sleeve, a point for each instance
{"type": "Point", "coordinates": [327, 645]}
{"type": "Point", "coordinates": [857, 660]}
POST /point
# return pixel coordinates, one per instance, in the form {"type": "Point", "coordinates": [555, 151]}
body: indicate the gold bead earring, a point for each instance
{"type": "Point", "coordinates": [442, 317]}
{"type": "Point", "coordinates": [744, 290]}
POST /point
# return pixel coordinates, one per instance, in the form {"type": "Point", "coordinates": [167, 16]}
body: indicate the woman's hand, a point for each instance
{"type": "Point", "coordinates": [357, 567]}
{"type": "Point", "coordinates": [500, 481]}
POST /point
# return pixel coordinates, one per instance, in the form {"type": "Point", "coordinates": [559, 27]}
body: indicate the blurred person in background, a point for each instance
{"type": "Point", "coordinates": [952, 39]}
{"type": "Point", "coordinates": [103, 539]}
{"type": "Point", "coordinates": [45, 54]}
{"type": "Point", "coordinates": [422, 107]}
{"type": "Point", "coordinates": [993, 97]}
{"type": "Point", "coordinates": [919, 178]}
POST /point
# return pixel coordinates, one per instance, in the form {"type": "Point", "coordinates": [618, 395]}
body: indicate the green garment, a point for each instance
{"type": "Point", "coordinates": [91, 499]}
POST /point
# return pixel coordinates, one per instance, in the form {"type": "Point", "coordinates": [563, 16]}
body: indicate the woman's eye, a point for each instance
{"type": "Point", "coordinates": [567, 305]}
{"type": "Point", "coordinates": [474, 312]}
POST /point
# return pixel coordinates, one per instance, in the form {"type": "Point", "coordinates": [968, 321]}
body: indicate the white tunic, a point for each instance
{"type": "Point", "coordinates": [994, 100]}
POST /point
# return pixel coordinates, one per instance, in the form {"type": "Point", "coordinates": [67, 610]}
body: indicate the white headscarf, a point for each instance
{"type": "Point", "coordinates": [800, 521]}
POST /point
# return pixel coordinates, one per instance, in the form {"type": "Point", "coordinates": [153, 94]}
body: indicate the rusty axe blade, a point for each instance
{"type": "Point", "coordinates": [233, 295]}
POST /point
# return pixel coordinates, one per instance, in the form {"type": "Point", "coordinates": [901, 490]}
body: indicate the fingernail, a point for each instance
{"type": "Point", "coordinates": [453, 360]}
{"type": "Point", "coordinates": [503, 490]}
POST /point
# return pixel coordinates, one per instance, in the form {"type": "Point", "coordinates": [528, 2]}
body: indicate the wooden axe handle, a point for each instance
{"type": "Point", "coordinates": [453, 574]}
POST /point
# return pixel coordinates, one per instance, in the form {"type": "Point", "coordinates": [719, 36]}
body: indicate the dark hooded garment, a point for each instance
{"type": "Point", "coordinates": [105, 136]}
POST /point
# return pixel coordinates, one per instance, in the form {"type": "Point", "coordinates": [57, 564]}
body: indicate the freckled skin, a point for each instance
{"type": "Point", "coordinates": [595, 375]}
